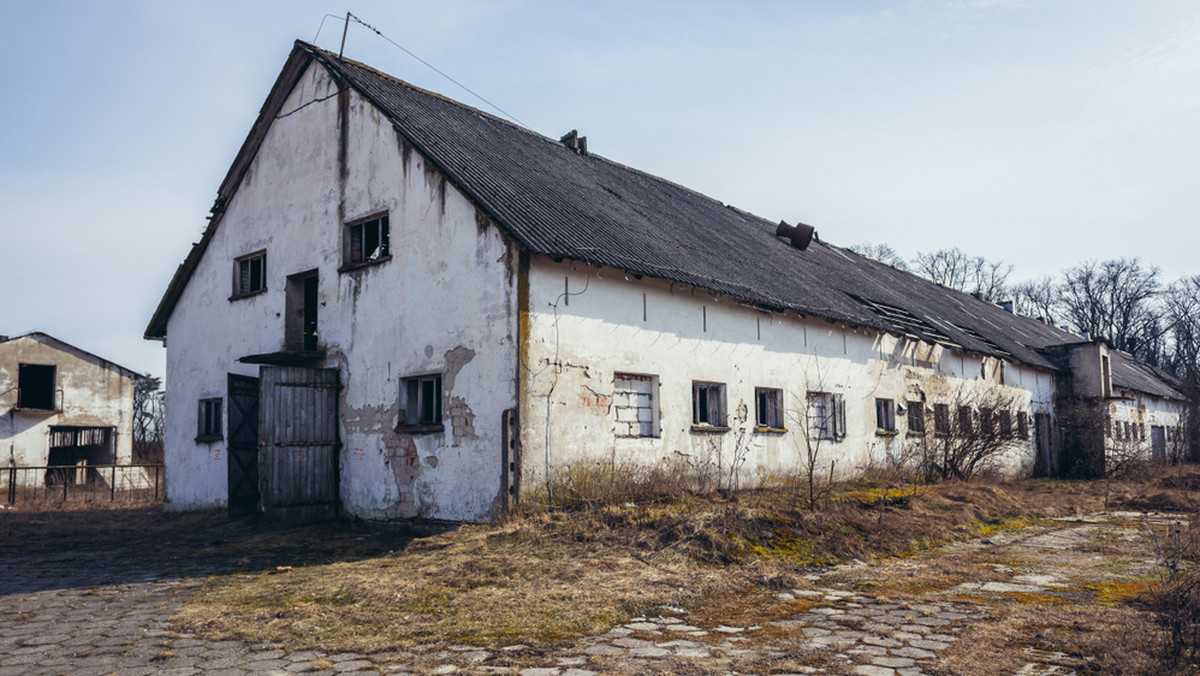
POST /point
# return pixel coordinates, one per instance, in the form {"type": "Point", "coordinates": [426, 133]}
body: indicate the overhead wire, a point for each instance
{"type": "Point", "coordinates": [430, 66]}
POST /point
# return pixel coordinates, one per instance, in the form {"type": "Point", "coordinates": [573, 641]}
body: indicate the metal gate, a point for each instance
{"type": "Point", "coordinates": [242, 455]}
{"type": "Point", "coordinates": [298, 443]}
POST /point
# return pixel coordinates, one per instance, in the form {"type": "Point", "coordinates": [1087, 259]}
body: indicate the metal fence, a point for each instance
{"type": "Point", "coordinates": [81, 484]}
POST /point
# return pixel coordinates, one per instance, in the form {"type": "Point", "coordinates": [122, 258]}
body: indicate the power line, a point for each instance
{"type": "Point", "coordinates": [430, 65]}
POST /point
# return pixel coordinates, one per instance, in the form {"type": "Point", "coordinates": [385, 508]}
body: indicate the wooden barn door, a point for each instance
{"type": "Point", "coordinates": [242, 456]}
{"type": "Point", "coordinates": [298, 443]}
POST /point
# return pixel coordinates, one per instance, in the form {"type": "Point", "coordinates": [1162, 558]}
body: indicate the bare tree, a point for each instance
{"type": "Point", "coordinates": [969, 432]}
{"type": "Point", "coordinates": [1039, 298]}
{"type": "Point", "coordinates": [882, 253]}
{"type": "Point", "coordinates": [149, 411]}
{"type": "Point", "coordinates": [955, 269]}
{"type": "Point", "coordinates": [1118, 300]}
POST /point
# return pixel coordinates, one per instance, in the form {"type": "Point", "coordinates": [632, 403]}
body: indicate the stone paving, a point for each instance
{"type": "Point", "coordinates": [88, 614]}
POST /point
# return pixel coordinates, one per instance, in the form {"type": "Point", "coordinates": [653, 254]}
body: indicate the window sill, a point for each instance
{"type": "Point", "coordinates": [420, 429]}
{"type": "Point", "coordinates": [239, 296]}
{"type": "Point", "coordinates": [710, 429]}
{"type": "Point", "coordinates": [351, 267]}
{"type": "Point", "coordinates": [886, 433]}
{"type": "Point", "coordinates": [770, 430]}
{"type": "Point", "coordinates": [209, 438]}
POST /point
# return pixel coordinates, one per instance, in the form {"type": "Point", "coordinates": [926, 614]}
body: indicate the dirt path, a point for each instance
{"type": "Point", "coordinates": [1028, 601]}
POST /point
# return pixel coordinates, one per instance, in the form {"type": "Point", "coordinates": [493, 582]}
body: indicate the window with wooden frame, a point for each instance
{"type": "Point", "coordinates": [708, 405]}
{"type": "Point", "coordinates": [421, 401]}
{"type": "Point", "coordinates": [250, 274]}
{"type": "Point", "coordinates": [966, 422]}
{"type": "Point", "coordinates": [987, 421]}
{"type": "Point", "coordinates": [768, 408]}
{"type": "Point", "coordinates": [209, 422]}
{"type": "Point", "coordinates": [1004, 423]}
{"type": "Point", "coordinates": [366, 241]}
{"type": "Point", "coordinates": [826, 416]}
{"type": "Point", "coordinates": [916, 418]}
{"type": "Point", "coordinates": [941, 420]}
{"type": "Point", "coordinates": [1023, 424]}
{"type": "Point", "coordinates": [885, 416]}
{"type": "Point", "coordinates": [633, 405]}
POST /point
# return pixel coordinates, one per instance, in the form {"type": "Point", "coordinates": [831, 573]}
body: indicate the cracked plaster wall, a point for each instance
{"type": "Point", "coordinates": [444, 303]}
{"type": "Point", "coordinates": [614, 324]}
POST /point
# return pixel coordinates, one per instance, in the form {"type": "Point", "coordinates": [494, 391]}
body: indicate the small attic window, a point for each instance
{"type": "Point", "coordinates": [366, 242]}
{"type": "Point", "coordinates": [249, 274]}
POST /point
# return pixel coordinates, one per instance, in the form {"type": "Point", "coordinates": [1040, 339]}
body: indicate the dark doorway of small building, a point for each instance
{"type": "Point", "coordinates": [35, 386]}
{"type": "Point", "coordinates": [300, 325]}
{"type": "Point", "coordinates": [76, 451]}
{"type": "Point", "coordinates": [242, 458]}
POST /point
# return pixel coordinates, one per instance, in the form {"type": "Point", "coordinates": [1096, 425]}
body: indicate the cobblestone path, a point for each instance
{"type": "Point", "coordinates": [84, 614]}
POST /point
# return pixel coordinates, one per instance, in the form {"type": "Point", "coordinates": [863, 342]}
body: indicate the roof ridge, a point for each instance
{"type": "Point", "coordinates": [324, 53]}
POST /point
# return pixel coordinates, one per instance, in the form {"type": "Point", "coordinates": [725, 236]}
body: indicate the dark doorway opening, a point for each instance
{"type": "Point", "coordinates": [74, 453]}
{"type": "Point", "coordinates": [300, 327]}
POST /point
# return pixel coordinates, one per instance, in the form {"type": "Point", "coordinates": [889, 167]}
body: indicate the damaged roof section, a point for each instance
{"type": "Point", "coordinates": [557, 201]}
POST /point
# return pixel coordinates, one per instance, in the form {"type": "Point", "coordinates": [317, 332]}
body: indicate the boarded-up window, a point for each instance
{"type": "Point", "coordinates": [208, 427]}
{"type": "Point", "coordinates": [768, 408]}
{"type": "Point", "coordinates": [708, 404]}
{"type": "Point", "coordinates": [422, 400]}
{"type": "Point", "coordinates": [633, 405]}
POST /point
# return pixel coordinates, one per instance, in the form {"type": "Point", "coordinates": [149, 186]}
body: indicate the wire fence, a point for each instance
{"type": "Point", "coordinates": [81, 486]}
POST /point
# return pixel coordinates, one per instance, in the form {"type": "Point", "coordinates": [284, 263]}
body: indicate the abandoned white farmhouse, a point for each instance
{"type": "Point", "coordinates": [60, 405]}
{"type": "Point", "coordinates": [405, 307]}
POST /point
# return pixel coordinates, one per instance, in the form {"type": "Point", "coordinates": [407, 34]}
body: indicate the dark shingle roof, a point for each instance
{"type": "Point", "coordinates": [562, 203]}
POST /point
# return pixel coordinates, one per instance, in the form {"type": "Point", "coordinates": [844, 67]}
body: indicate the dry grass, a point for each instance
{"type": "Point", "coordinates": [548, 577]}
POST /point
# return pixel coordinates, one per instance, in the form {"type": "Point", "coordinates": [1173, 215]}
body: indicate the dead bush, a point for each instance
{"type": "Point", "coordinates": [1175, 597]}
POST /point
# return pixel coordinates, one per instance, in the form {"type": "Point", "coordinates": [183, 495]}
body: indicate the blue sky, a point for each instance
{"type": "Point", "coordinates": [1039, 133]}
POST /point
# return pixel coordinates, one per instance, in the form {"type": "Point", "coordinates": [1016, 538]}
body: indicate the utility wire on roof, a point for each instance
{"type": "Point", "coordinates": [360, 22]}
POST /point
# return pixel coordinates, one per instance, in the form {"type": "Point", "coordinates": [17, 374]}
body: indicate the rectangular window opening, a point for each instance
{"type": "Point", "coordinates": [941, 419]}
{"type": "Point", "coordinates": [209, 425]}
{"type": "Point", "coordinates": [422, 401]}
{"type": "Point", "coordinates": [768, 408]}
{"type": "Point", "coordinates": [35, 386]}
{"type": "Point", "coordinates": [916, 418]}
{"type": "Point", "coordinates": [826, 416]}
{"type": "Point", "coordinates": [885, 415]}
{"type": "Point", "coordinates": [250, 274]}
{"type": "Point", "coordinates": [367, 241]}
{"type": "Point", "coordinates": [708, 404]}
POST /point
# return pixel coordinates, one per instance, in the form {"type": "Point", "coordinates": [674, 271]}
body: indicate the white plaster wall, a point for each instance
{"type": "Point", "coordinates": [445, 303]}
{"type": "Point", "coordinates": [91, 395]}
{"type": "Point", "coordinates": [606, 326]}
{"type": "Point", "coordinates": [1137, 408]}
